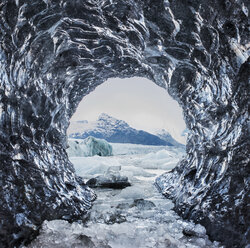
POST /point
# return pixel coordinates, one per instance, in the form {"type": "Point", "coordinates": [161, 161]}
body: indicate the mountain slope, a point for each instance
{"type": "Point", "coordinates": [116, 131]}
{"type": "Point", "coordinates": [165, 135]}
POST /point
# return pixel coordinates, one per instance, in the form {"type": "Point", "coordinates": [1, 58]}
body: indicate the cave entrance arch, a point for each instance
{"type": "Point", "coordinates": [53, 53]}
{"type": "Point", "coordinates": [143, 105]}
{"type": "Point", "coordinates": [138, 101]}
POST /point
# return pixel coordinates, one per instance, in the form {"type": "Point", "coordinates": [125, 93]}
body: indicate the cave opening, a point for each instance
{"type": "Point", "coordinates": [129, 208]}
{"type": "Point", "coordinates": [131, 116]}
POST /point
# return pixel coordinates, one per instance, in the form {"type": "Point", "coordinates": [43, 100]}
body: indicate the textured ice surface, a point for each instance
{"type": "Point", "coordinates": [53, 53]}
{"type": "Point", "coordinates": [134, 217]}
{"type": "Point", "coordinates": [89, 147]}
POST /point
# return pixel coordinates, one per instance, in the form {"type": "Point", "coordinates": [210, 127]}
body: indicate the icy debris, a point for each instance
{"type": "Point", "coordinates": [194, 230]}
{"type": "Point", "coordinates": [164, 159]}
{"type": "Point", "coordinates": [55, 233]}
{"type": "Point", "coordinates": [139, 164]}
{"type": "Point", "coordinates": [109, 217]}
{"type": "Point", "coordinates": [133, 217]}
{"type": "Point", "coordinates": [140, 204]}
{"type": "Point", "coordinates": [89, 147]}
{"type": "Point", "coordinates": [60, 233]}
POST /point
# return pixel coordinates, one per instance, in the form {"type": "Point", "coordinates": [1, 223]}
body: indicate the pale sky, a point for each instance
{"type": "Point", "coordinates": [138, 101]}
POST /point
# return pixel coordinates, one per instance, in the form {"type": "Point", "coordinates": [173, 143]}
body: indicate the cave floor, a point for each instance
{"type": "Point", "coordinates": [134, 217]}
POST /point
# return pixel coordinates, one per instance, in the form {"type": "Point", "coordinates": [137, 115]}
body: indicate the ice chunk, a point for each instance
{"type": "Point", "coordinates": [76, 148]}
{"type": "Point", "coordinates": [89, 147]}
{"type": "Point", "coordinates": [134, 192]}
{"type": "Point", "coordinates": [88, 167]}
{"type": "Point", "coordinates": [163, 159]}
{"type": "Point", "coordinates": [194, 230]}
{"type": "Point", "coordinates": [111, 179]}
{"type": "Point", "coordinates": [98, 147]}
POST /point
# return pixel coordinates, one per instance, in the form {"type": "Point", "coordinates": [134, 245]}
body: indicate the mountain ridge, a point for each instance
{"type": "Point", "coordinates": [118, 131]}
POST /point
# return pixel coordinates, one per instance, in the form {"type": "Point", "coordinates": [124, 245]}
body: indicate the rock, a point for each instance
{"type": "Point", "coordinates": [109, 180]}
{"type": "Point", "coordinates": [103, 246]}
{"type": "Point", "coordinates": [143, 204]}
{"type": "Point", "coordinates": [169, 244]}
{"type": "Point", "coordinates": [86, 241]}
{"type": "Point", "coordinates": [123, 205]}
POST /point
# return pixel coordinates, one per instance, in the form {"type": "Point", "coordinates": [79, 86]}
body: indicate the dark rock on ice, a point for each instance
{"type": "Point", "coordinates": [103, 246]}
{"type": "Point", "coordinates": [123, 205]}
{"type": "Point", "coordinates": [109, 180]}
{"type": "Point", "coordinates": [53, 53]}
{"type": "Point", "coordinates": [86, 241]}
{"type": "Point", "coordinates": [143, 204]}
{"type": "Point", "coordinates": [169, 244]}
{"type": "Point", "coordinates": [92, 182]}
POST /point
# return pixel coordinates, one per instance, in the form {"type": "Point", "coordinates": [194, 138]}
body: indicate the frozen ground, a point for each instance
{"type": "Point", "coordinates": [134, 217]}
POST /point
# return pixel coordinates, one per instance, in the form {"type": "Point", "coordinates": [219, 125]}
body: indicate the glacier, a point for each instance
{"type": "Point", "coordinates": [53, 53]}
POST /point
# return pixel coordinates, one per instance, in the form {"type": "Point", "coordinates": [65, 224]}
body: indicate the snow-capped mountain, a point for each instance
{"type": "Point", "coordinates": [115, 131]}
{"type": "Point", "coordinates": [165, 135]}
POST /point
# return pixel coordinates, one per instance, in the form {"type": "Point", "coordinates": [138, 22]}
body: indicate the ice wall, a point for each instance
{"type": "Point", "coordinates": [53, 53]}
{"type": "Point", "coordinates": [89, 147]}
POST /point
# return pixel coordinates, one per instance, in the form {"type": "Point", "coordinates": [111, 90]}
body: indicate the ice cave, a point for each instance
{"type": "Point", "coordinates": [53, 53]}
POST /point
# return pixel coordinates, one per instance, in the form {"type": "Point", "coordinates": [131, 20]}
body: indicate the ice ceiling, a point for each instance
{"type": "Point", "coordinates": [53, 53]}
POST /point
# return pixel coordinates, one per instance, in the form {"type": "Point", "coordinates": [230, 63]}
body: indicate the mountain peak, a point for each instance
{"type": "Point", "coordinates": [107, 118]}
{"type": "Point", "coordinates": [109, 121]}
{"type": "Point", "coordinates": [118, 131]}
{"type": "Point", "coordinates": [161, 131]}
{"type": "Point", "coordinates": [104, 116]}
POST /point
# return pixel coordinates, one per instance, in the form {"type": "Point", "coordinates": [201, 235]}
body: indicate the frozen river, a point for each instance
{"type": "Point", "coordinates": [134, 217]}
